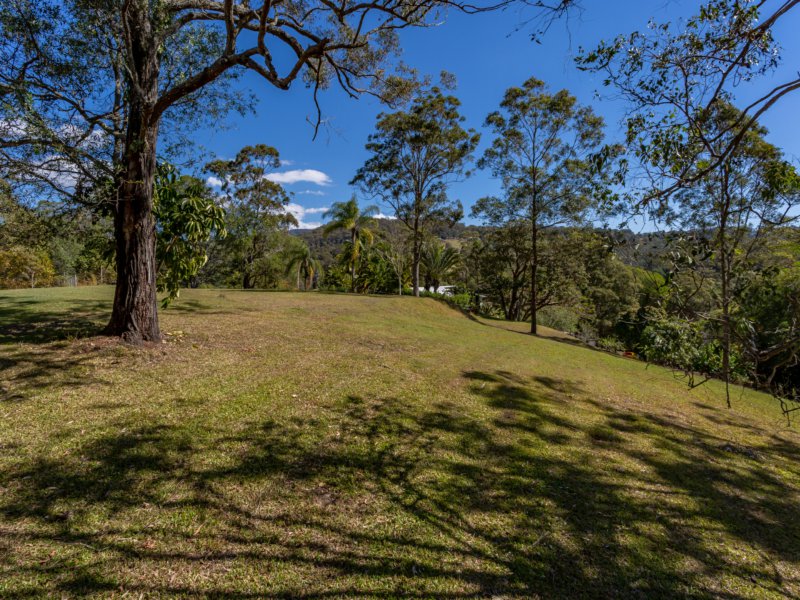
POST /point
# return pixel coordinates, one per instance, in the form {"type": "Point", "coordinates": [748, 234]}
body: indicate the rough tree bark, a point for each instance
{"type": "Point", "coordinates": [534, 267]}
{"type": "Point", "coordinates": [416, 252]}
{"type": "Point", "coordinates": [725, 273]}
{"type": "Point", "coordinates": [135, 313]}
{"type": "Point", "coordinates": [415, 267]}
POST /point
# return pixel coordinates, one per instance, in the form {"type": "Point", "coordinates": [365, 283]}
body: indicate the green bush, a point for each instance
{"type": "Point", "coordinates": [687, 346]}
{"type": "Point", "coordinates": [611, 344]}
{"type": "Point", "coordinates": [673, 343]}
{"type": "Point", "coordinates": [560, 318]}
{"type": "Point", "coordinates": [463, 301]}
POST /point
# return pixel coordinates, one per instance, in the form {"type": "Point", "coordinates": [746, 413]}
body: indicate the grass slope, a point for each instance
{"type": "Point", "coordinates": [326, 446]}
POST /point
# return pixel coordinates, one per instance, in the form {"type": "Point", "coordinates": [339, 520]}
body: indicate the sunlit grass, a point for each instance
{"type": "Point", "coordinates": [318, 446]}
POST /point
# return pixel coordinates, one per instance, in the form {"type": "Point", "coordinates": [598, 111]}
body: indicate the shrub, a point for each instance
{"type": "Point", "coordinates": [560, 318]}
{"type": "Point", "coordinates": [686, 346]}
{"type": "Point", "coordinates": [611, 344]}
{"type": "Point", "coordinates": [672, 343]}
{"type": "Point", "coordinates": [25, 267]}
{"type": "Point", "coordinates": [463, 301]}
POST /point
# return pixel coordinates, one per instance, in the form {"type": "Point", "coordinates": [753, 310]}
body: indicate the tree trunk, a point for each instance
{"type": "Point", "coordinates": [248, 279]}
{"type": "Point", "coordinates": [725, 272]}
{"type": "Point", "coordinates": [726, 344]}
{"type": "Point", "coordinates": [506, 308]}
{"type": "Point", "coordinates": [534, 268]}
{"type": "Point", "coordinates": [415, 265]}
{"type": "Point", "coordinates": [135, 313]}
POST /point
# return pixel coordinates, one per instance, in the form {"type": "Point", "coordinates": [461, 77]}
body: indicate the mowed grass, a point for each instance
{"type": "Point", "coordinates": [333, 446]}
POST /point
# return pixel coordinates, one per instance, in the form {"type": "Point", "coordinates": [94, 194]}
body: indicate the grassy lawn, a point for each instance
{"type": "Point", "coordinates": [327, 446]}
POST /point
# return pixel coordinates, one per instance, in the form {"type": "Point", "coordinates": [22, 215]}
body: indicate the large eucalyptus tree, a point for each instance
{"type": "Point", "coordinates": [549, 156]}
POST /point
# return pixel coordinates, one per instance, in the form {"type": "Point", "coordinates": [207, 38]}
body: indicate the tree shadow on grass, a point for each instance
{"type": "Point", "coordinates": [37, 349]}
{"type": "Point", "coordinates": [181, 305]}
{"type": "Point", "coordinates": [502, 324]}
{"type": "Point", "coordinates": [385, 498]}
{"type": "Point", "coordinates": [28, 321]}
{"type": "Point", "coordinates": [27, 370]}
{"type": "Point", "coordinates": [45, 345]}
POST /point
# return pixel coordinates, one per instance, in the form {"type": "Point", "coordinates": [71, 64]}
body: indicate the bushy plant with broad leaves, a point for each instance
{"type": "Point", "coordinates": [186, 216]}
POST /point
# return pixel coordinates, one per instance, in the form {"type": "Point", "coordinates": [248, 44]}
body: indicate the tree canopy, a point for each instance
{"type": "Point", "coordinates": [416, 154]}
{"type": "Point", "coordinates": [547, 153]}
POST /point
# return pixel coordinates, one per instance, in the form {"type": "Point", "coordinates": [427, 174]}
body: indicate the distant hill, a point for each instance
{"type": "Point", "coordinates": [635, 249]}
{"type": "Point", "coordinates": [326, 248]}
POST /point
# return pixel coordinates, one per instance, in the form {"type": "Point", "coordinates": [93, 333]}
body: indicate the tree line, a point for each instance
{"type": "Point", "coordinates": [722, 301]}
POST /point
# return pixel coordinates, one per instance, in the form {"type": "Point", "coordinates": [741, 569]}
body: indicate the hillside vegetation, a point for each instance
{"type": "Point", "coordinates": [324, 446]}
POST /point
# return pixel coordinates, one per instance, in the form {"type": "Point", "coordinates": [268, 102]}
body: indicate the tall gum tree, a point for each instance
{"type": "Point", "coordinates": [348, 43]}
{"type": "Point", "coordinates": [692, 142]}
{"type": "Point", "coordinates": [416, 154]}
{"type": "Point", "coordinates": [548, 154]}
{"type": "Point", "coordinates": [68, 116]}
{"type": "Point", "coordinates": [728, 218]}
{"type": "Point", "coordinates": [257, 207]}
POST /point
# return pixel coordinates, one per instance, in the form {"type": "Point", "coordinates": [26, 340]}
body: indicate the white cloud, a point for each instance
{"type": "Point", "coordinates": [214, 181]}
{"type": "Point", "coordinates": [311, 193]}
{"type": "Point", "coordinates": [298, 175]}
{"type": "Point", "coordinates": [78, 133]}
{"type": "Point", "coordinates": [55, 169]}
{"type": "Point", "coordinates": [380, 215]}
{"type": "Point", "coordinates": [308, 224]}
{"type": "Point", "coordinates": [286, 163]}
{"type": "Point", "coordinates": [12, 128]}
{"type": "Point", "coordinates": [301, 212]}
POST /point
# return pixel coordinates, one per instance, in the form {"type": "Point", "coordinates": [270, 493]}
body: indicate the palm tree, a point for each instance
{"type": "Point", "coordinates": [347, 216]}
{"type": "Point", "coordinates": [300, 258]}
{"type": "Point", "coordinates": [438, 261]}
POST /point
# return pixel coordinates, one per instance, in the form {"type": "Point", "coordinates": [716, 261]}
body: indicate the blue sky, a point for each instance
{"type": "Point", "coordinates": [487, 56]}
